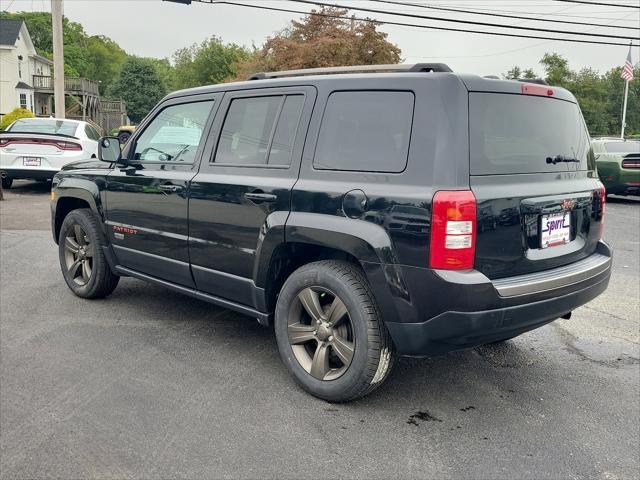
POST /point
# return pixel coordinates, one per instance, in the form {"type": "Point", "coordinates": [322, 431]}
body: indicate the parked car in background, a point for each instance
{"type": "Point", "coordinates": [618, 164]}
{"type": "Point", "coordinates": [125, 132]}
{"type": "Point", "coordinates": [38, 148]}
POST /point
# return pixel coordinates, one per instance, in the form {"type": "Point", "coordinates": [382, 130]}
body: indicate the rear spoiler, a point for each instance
{"type": "Point", "coordinates": [5, 133]}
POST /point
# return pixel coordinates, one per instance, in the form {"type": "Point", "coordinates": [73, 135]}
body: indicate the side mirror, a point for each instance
{"type": "Point", "coordinates": [109, 149]}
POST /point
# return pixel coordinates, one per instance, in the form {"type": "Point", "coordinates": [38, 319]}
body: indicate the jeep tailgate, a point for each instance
{"type": "Point", "coordinates": [539, 203]}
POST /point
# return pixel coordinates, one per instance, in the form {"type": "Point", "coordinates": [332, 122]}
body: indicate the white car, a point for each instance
{"type": "Point", "coordinates": [38, 148]}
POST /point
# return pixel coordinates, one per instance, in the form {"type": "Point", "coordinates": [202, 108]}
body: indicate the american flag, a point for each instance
{"type": "Point", "coordinates": [627, 70]}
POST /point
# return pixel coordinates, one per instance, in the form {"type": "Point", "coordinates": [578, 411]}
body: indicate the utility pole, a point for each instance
{"type": "Point", "coordinates": [58, 58]}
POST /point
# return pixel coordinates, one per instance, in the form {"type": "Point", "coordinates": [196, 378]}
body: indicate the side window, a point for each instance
{"type": "Point", "coordinates": [260, 130]}
{"type": "Point", "coordinates": [367, 131]}
{"type": "Point", "coordinates": [174, 134]}
{"type": "Point", "coordinates": [91, 133]}
{"type": "Point", "coordinates": [285, 133]}
{"type": "Point", "coordinates": [247, 130]}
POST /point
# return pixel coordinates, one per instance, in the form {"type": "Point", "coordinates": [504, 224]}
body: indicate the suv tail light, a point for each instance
{"type": "Point", "coordinates": [602, 194]}
{"type": "Point", "coordinates": [453, 230]}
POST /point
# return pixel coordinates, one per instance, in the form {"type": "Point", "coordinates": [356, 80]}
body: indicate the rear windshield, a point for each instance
{"type": "Point", "coordinates": [44, 125]}
{"type": "Point", "coordinates": [622, 147]}
{"type": "Point", "coordinates": [518, 133]}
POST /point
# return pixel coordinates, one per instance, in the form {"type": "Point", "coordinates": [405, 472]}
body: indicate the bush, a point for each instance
{"type": "Point", "coordinates": [14, 115]}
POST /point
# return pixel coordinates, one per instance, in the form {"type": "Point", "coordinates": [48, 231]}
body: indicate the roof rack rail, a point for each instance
{"type": "Point", "coordinates": [539, 81]}
{"type": "Point", "coordinates": [407, 67]}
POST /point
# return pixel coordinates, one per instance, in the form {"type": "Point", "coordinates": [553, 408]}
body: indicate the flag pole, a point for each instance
{"type": "Point", "coordinates": [624, 108]}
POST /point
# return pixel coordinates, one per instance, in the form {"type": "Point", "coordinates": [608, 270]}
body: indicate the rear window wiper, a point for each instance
{"type": "Point", "coordinates": [562, 158]}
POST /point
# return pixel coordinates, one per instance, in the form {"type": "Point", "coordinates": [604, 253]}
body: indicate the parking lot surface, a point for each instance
{"type": "Point", "coordinates": [151, 384]}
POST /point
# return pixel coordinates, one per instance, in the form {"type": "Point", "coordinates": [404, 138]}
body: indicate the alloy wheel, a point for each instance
{"type": "Point", "coordinates": [321, 333]}
{"type": "Point", "coordinates": [78, 255]}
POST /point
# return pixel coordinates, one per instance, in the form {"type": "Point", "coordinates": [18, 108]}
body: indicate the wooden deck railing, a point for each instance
{"type": "Point", "coordinates": [113, 106]}
{"type": "Point", "coordinates": [77, 85]}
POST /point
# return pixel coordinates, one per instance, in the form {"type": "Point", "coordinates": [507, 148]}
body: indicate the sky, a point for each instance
{"type": "Point", "coordinates": [157, 28]}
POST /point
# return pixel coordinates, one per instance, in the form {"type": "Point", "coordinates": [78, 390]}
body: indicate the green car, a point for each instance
{"type": "Point", "coordinates": [618, 165]}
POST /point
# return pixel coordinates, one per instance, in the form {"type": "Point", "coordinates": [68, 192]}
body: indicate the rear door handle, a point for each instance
{"type": "Point", "coordinates": [260, 197]}
{"type": "Point", "coordinates": [170, 188]}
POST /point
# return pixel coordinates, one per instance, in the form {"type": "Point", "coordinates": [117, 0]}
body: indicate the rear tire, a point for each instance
{"type": "Point", "coordinates": [6, 183]}
{"type": "Point", "coordinates": [330, 333]}
{"type": "Point", "coordinates": [82, 260]}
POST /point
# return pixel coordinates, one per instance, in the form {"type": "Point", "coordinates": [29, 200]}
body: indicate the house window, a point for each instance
{"type": "Point", "coordinates": [23, 100]}
{"type": "Point", "coordinates": [20, 69]}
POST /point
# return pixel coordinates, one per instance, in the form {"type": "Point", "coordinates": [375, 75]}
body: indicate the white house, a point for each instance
{"type": "Point", "coordinates": [19, 64]}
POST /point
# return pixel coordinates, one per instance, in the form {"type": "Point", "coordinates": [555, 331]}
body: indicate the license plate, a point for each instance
{"type": "Point", "coordinates": [31, 161]}
{"type": "Point", "coordinates": [556, 229]}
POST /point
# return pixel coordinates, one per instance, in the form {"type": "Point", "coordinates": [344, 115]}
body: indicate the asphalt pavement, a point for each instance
{"type": "Point", "coordinates": [151, 384]}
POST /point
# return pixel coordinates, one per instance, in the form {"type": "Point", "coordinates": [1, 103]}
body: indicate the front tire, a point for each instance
{"type": "Point", "coordinates": [84, 266]}
{"type": "Point", "coordinates": [6, 183]}
{"type": "Point", "coordinates": [330, 333]}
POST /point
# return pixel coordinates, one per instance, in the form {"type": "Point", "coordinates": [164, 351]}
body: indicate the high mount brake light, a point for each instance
{"type": "Point", "coordinates": [534, 89]}
{"type": "Point", "coordinates": [453, 230]}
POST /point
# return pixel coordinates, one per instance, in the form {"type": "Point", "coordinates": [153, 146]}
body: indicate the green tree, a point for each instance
{"type": "Point", "coordinates": [105, 59]}
{"type": "Point", "coordinates": [14, 115]}
{"type": "Point", "coordinates": [557, 69]}
{"type": "Point", "coordinates": [208, 63]}
{"type": "Point", "coordinates": [166, 72]}
{"type": "Point", "coordinates": [95, 57]}
{"type": "Point", "coordinates": [592, 95]}
{"type": "Point", "coordinates": [517, 73]}
{"type": "Point", "coordinates": [139, 85]}
{"type": "Point", "coordinates": [513, 74]}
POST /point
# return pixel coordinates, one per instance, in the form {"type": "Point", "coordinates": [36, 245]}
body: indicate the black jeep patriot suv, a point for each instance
{"type": "Point", "coordinates": [365, 212]}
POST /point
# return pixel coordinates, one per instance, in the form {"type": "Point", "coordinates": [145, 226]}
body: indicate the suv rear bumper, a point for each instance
{"type": "Point", "coordinates": [483, 323]}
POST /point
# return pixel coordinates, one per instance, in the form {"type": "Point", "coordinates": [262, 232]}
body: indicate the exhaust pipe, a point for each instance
{"type": "Point", "coordinates": [3, 174]}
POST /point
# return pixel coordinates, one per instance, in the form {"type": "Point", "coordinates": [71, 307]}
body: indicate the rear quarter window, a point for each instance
{"type": "Point", "coordinates": [366, 131]}
{"type": "Point", "coordinates": [511, 134]}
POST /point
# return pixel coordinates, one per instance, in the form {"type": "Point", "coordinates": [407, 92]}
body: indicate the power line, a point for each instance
{"type": "Point", "coordinates": [467, 22]}
{"type": "Point", "coordinates": [583, 2]}
{"type": "Point", "coordinates": [517, 17]}
{"type": "Point", "coordinates": [537, 44]}
{"type": "Point", "coordinates": [415, 25]}
{"type": "Point", "coordinates": [9, 6]}
{"type": "Point", "coordinates": [557, 14]}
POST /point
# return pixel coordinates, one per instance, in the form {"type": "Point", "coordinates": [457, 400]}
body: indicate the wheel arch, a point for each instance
{"type": "Point", "coordinates": [311, 237]}
{"type": "Point", "coordinates": [72, 194]}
